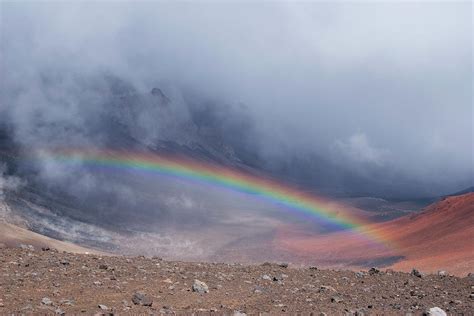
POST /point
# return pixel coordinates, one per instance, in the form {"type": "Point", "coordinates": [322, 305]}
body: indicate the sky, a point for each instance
{"type": "Point", "coordinates": [367, 85]}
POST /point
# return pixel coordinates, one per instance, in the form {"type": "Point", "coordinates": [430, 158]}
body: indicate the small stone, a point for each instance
{"type": "Point", "coordinates": [416, 273]}
{"type": "Point", "coordinates": [103, 266]}
{"type": "Point", "coordinates": [336, 299]}
{"type": "Point", "coordinates": [277, 278]}
{"type": "Point", "coordinates": [373, 271]}
{"type": "Point", "coordinates": [442, 273]}
{"type": "Point", "coordinates": [313, 268]}
{"type": "Point", "coordinates": [266, 277]}
{"type": "Point", "coordinates": [239, 313]}
{"type": "Point", "coordinates": [59, 311]}
{"type": "Point", "coordinates": [200, 287]}
{"type": "Point", "coordinates": [360, 274]}
{"type": "Point", "coordinates": [141, 298]}
{"type": "Point", "coordinates": [47, 301]}
{"type": "Point", "coordinates": [67, 302]}
{"type": "Point", "coordinates": [326, 288]}
{"type": "Point", "coordinates": [98, 283]}
{"type": "Point", "coordinates": [283, 265]}
{"type": "Point", "coordinates": [103, 307]}
{"type": "Point", "coordinates": [435, 311]}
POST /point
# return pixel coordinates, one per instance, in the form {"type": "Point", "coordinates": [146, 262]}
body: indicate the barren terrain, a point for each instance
{"type": "Point", "coordinates": [48, 281]}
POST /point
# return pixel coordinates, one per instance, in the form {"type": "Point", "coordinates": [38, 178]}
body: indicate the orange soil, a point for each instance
{"type": "Point", "coordinates": [439, 238]}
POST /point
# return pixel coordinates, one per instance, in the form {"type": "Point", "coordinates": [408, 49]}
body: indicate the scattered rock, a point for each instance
{"type": "Point", "coordinates": [326, 288]}
{"type": "Point", "coordinates": [266, 277]}
{"type": "Point", "coordinates": [416, 273]}
{"type": "Point", "coordinates": [435, 311]}
{"type": "Point", "coordinates": [333, 291]}
{"type": "Point", "coordinates": [283, 265]}
{"type": "Point", "coordinates": [141, 298]}
{"type": "Point", "coordinates": [277, 278]}
{"type": "Point", "coordinates": [200, 287]}
{"type": "Point", "coordinates": [442, 273]}
{"type": "Point", "coordinates": [103, 266]}
{"type": "Point", "coordinates": [360, 274]}
{"type": "Point", "coordinates": [103, 307]}
{"type": "Point", "coordinates": [373, 271]}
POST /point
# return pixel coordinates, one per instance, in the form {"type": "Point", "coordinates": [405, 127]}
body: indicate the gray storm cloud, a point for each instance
{"type": "Point", "coordinates": [383, 89]}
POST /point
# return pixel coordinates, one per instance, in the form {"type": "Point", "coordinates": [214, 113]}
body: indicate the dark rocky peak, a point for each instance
{"type": "Point", "coordinates": [156, 92]}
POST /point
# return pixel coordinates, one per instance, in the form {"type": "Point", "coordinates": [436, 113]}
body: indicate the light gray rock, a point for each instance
{"type": "Point", "coordinates": [46, 301]}
{"type": "Point", "coordinates": [435, 311]}
{"type": "Point", "coordinates": [200, 287]}
{"type": "Point", "coordinates": [266, 277]}
{"type": "Point", "coordinates": [103, 307]}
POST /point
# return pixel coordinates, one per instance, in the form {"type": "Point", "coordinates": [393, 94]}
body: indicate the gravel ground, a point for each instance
{"type": "Point", "coordinates": [48, 281]}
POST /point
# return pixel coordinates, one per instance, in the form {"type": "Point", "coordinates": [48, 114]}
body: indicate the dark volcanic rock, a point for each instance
{"type": "Point", "coordinates": [141, 298]}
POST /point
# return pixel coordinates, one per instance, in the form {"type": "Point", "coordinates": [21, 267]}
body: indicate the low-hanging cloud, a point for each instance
{"type": "Point", "coordinates": [312, 76]}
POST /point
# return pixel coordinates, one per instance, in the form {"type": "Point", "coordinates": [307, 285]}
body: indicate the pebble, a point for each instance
{"type": "Point", "coordinates": [416, 273]}
{"type": "Point", "coordinates": [103, 307]}
{"type": "Point", "coordinates": [373, 271]}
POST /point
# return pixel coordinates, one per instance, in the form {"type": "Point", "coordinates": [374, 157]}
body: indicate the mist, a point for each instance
{"type": "Point", "coordinates": [377, 91]}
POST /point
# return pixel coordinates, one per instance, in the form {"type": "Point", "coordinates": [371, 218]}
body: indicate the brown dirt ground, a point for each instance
{"type": "Point", "coordinates": [78, 283]}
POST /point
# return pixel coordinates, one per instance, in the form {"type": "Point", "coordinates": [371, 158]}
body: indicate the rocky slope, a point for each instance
{"type": "Point", "coordinates": [48, 281]}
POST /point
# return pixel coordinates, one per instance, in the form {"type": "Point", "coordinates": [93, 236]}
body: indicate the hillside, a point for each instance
{"type": "Point", "coordinates": [438, 238]}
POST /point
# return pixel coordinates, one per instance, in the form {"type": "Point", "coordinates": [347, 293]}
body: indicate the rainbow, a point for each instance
{"type": "Point", "coordinates": [225, 177]}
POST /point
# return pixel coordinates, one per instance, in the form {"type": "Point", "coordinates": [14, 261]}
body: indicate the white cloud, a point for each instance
{"type": "Point", "coordinates": [357, 148]}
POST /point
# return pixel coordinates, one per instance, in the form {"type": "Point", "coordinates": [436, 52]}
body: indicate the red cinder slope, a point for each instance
{"type": "Point", "coordinates": [440, 237]}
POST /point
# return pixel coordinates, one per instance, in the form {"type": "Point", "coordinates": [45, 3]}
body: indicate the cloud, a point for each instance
{"type": "Point", "coordinates": [357, 149]}
{"type": "Point", "coordinates": [309, 73]}
{"type": "Point", "coordinates": [8, 183]}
